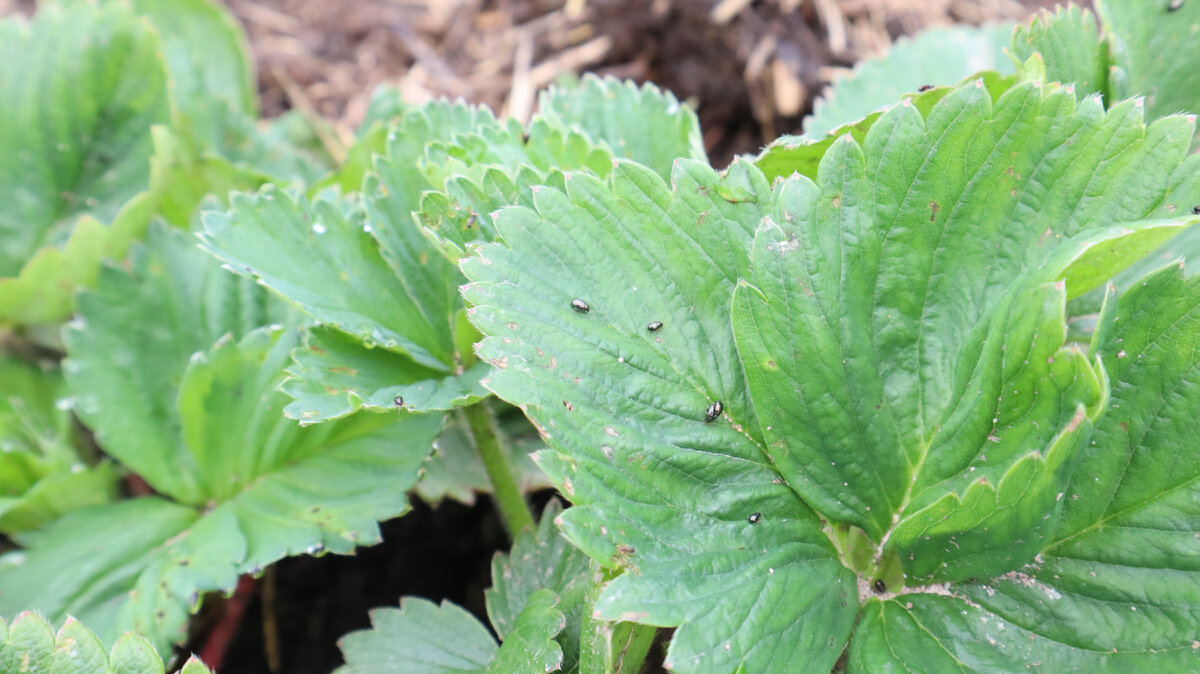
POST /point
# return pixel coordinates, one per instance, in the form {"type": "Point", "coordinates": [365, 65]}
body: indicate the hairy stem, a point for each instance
{"type": "Point", "coordinates": [486, 436]}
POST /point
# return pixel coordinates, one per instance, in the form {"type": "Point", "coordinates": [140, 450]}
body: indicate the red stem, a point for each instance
{"type": "Point", "coordinates": [221, 635]}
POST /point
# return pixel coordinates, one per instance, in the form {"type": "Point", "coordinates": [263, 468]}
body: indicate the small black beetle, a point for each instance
{"type": "Point", "coordinates": [399, 401]}
{"type": "Point", "coordinates": [1196, 209]}
{"type": "Point", "coordinates": [654, 326]}
{"type": "Point", "coordinates": [880, 586]}
{"type": "Point", "coordinates": [1175, 5]}
{"type": "Point", "coordinates": [924, 87]}
{"type": "Point", "coordinates": [714, 410]}
{"type": "Point", "coordinates": [755, 517]}
{"type": "Point", "coordinates": [580, 306]}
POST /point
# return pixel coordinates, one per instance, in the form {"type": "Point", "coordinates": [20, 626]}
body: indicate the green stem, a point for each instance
{"type": "Point", "coordinates": [482, 425]}
{"type": "Point", "coordinates": [610, 647]}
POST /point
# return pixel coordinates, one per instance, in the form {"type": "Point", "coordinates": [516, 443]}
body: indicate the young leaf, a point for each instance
{"type": "Point", "coordinates": [86, 85]}
{"type": "Point", "coordinates": [541, 560]}
{"type": "Point", "coordinates": [30, 645]}
{"type": "Point", "coordinates": [939, 56]}
{"type": "Point", "coordinates": [1153, 48]}
{"type": "Point", "coordinates": [664, 494]}
{"type": "Point", "coordinates": [482, 172]}
{"type": "Point", "coordinates": [643, 123]}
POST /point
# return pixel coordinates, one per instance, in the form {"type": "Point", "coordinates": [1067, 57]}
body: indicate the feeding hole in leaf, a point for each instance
{"type": "Point", "coordinates": [714, 410]}
{"type": "Point", "coordinates": [655, 325]}
{"type": "Point", "coordinates": [580, 306]}
{"type": "Point", "coordinates": [567, 404]}
{"type": "Point", "coordinates": [755, 517]}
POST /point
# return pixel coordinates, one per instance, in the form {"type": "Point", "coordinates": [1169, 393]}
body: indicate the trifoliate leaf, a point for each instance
{"type": "Point", "coordinates": [243, 485]}
{"type": "Point", "coordinates": [569, 303]}
{"type": "Point", "coordinates": [30, 645]}
{"type": "Point", "coordinates": [541, 559]}
{"type": "Point", "coordinates": [643, 123]}
{"type": "Point", "coordinates": [1070, 46]}
{"type": "Point", "coordinates": [939, 56]}
{"type": "Point", "coordinates": [1154, 47]}
{"type": "Point", "coordinates": [86, 85]}
{"type": "Point", "coordinates": [419, 637]}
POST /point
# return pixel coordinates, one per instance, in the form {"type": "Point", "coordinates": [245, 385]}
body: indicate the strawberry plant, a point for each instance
{"type": "Point", "coordinates": [915, 390]}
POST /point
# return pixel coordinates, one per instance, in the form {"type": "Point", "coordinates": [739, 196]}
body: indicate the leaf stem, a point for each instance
{"type": "Point", "coordinates": [610, 647]}
{"type": "Point", "coordinates": [486, 436]}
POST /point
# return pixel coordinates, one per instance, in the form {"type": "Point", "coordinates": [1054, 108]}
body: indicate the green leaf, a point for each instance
{"type": "Point", "coordinates": [328, 262]}
{"type": "Point", "coordinates": [1070, 46]}
{"type": "Point", "coordinates": [41, 474]}
{"type": "Point", "coordinates": [209, 63]}
{"type": "Point", "coordinates": [86, 85]}
{"type": "Point", "coordinates": [530, 645]}
{"type": "Point", "coordinates": [30, 645]}
{"type": "Point", "coordinates": [424, 638]}
{"type": "Point", "coordinates": [131, 347]}
{"type": "Point", "coordinates": [482, 172]}
{"type": "Point", "coordinates": [1121, 576]}
{"type": "Point", "coordinates": [934, 634]}
{"type": "Point", "coordinates": [662, 494]}
{"type": "Point", "coordinates": [940, 56]}
{"type": "Point", "coordinates": [541, 560]}
{"type": "Point", "coordinates": [245, 485]}
{"type": "Point", "coordinates": [644, 124]}
{"type": "Point", "coordinates": [419, 637]}
{"type": "Point", "coordinates": [456, 471]}
{"type": "Point", "coordinates": [335, 375]}
{"type": "Point", "coordinates": [929, 398]}
{"type": "Point", "coordinates": [373, 277]}
{"type": "Point", "coordinates": [1153, 49]}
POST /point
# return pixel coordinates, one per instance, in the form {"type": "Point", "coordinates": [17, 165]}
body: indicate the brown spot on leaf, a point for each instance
{"type": "Point", "coordinates": [933, 210]}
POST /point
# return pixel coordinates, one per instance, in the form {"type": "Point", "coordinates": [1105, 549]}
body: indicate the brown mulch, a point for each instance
{"type": "Point", "coordinates": [751, 67]}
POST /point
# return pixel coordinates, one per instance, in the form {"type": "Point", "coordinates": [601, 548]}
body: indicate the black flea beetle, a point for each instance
{"type": "Point", "coordinates": [1196, 209]}
{"type": "Point", "coordinates": [755, 517]}
{"type": "Point", "coordinates": [580, 306]}
{"type": "Point", "coordinates": [714, 410]}
{"type": "Point", "coordinates": [880, 586]}
{"type": "Point", "coordinates": [924, 87]}
{"type": "Point", "coordinates": [1175, 5]}
{"type": "Point", "coordinates": [654, 326]}
{"type": "Point", "coordinates": [399, 401]}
